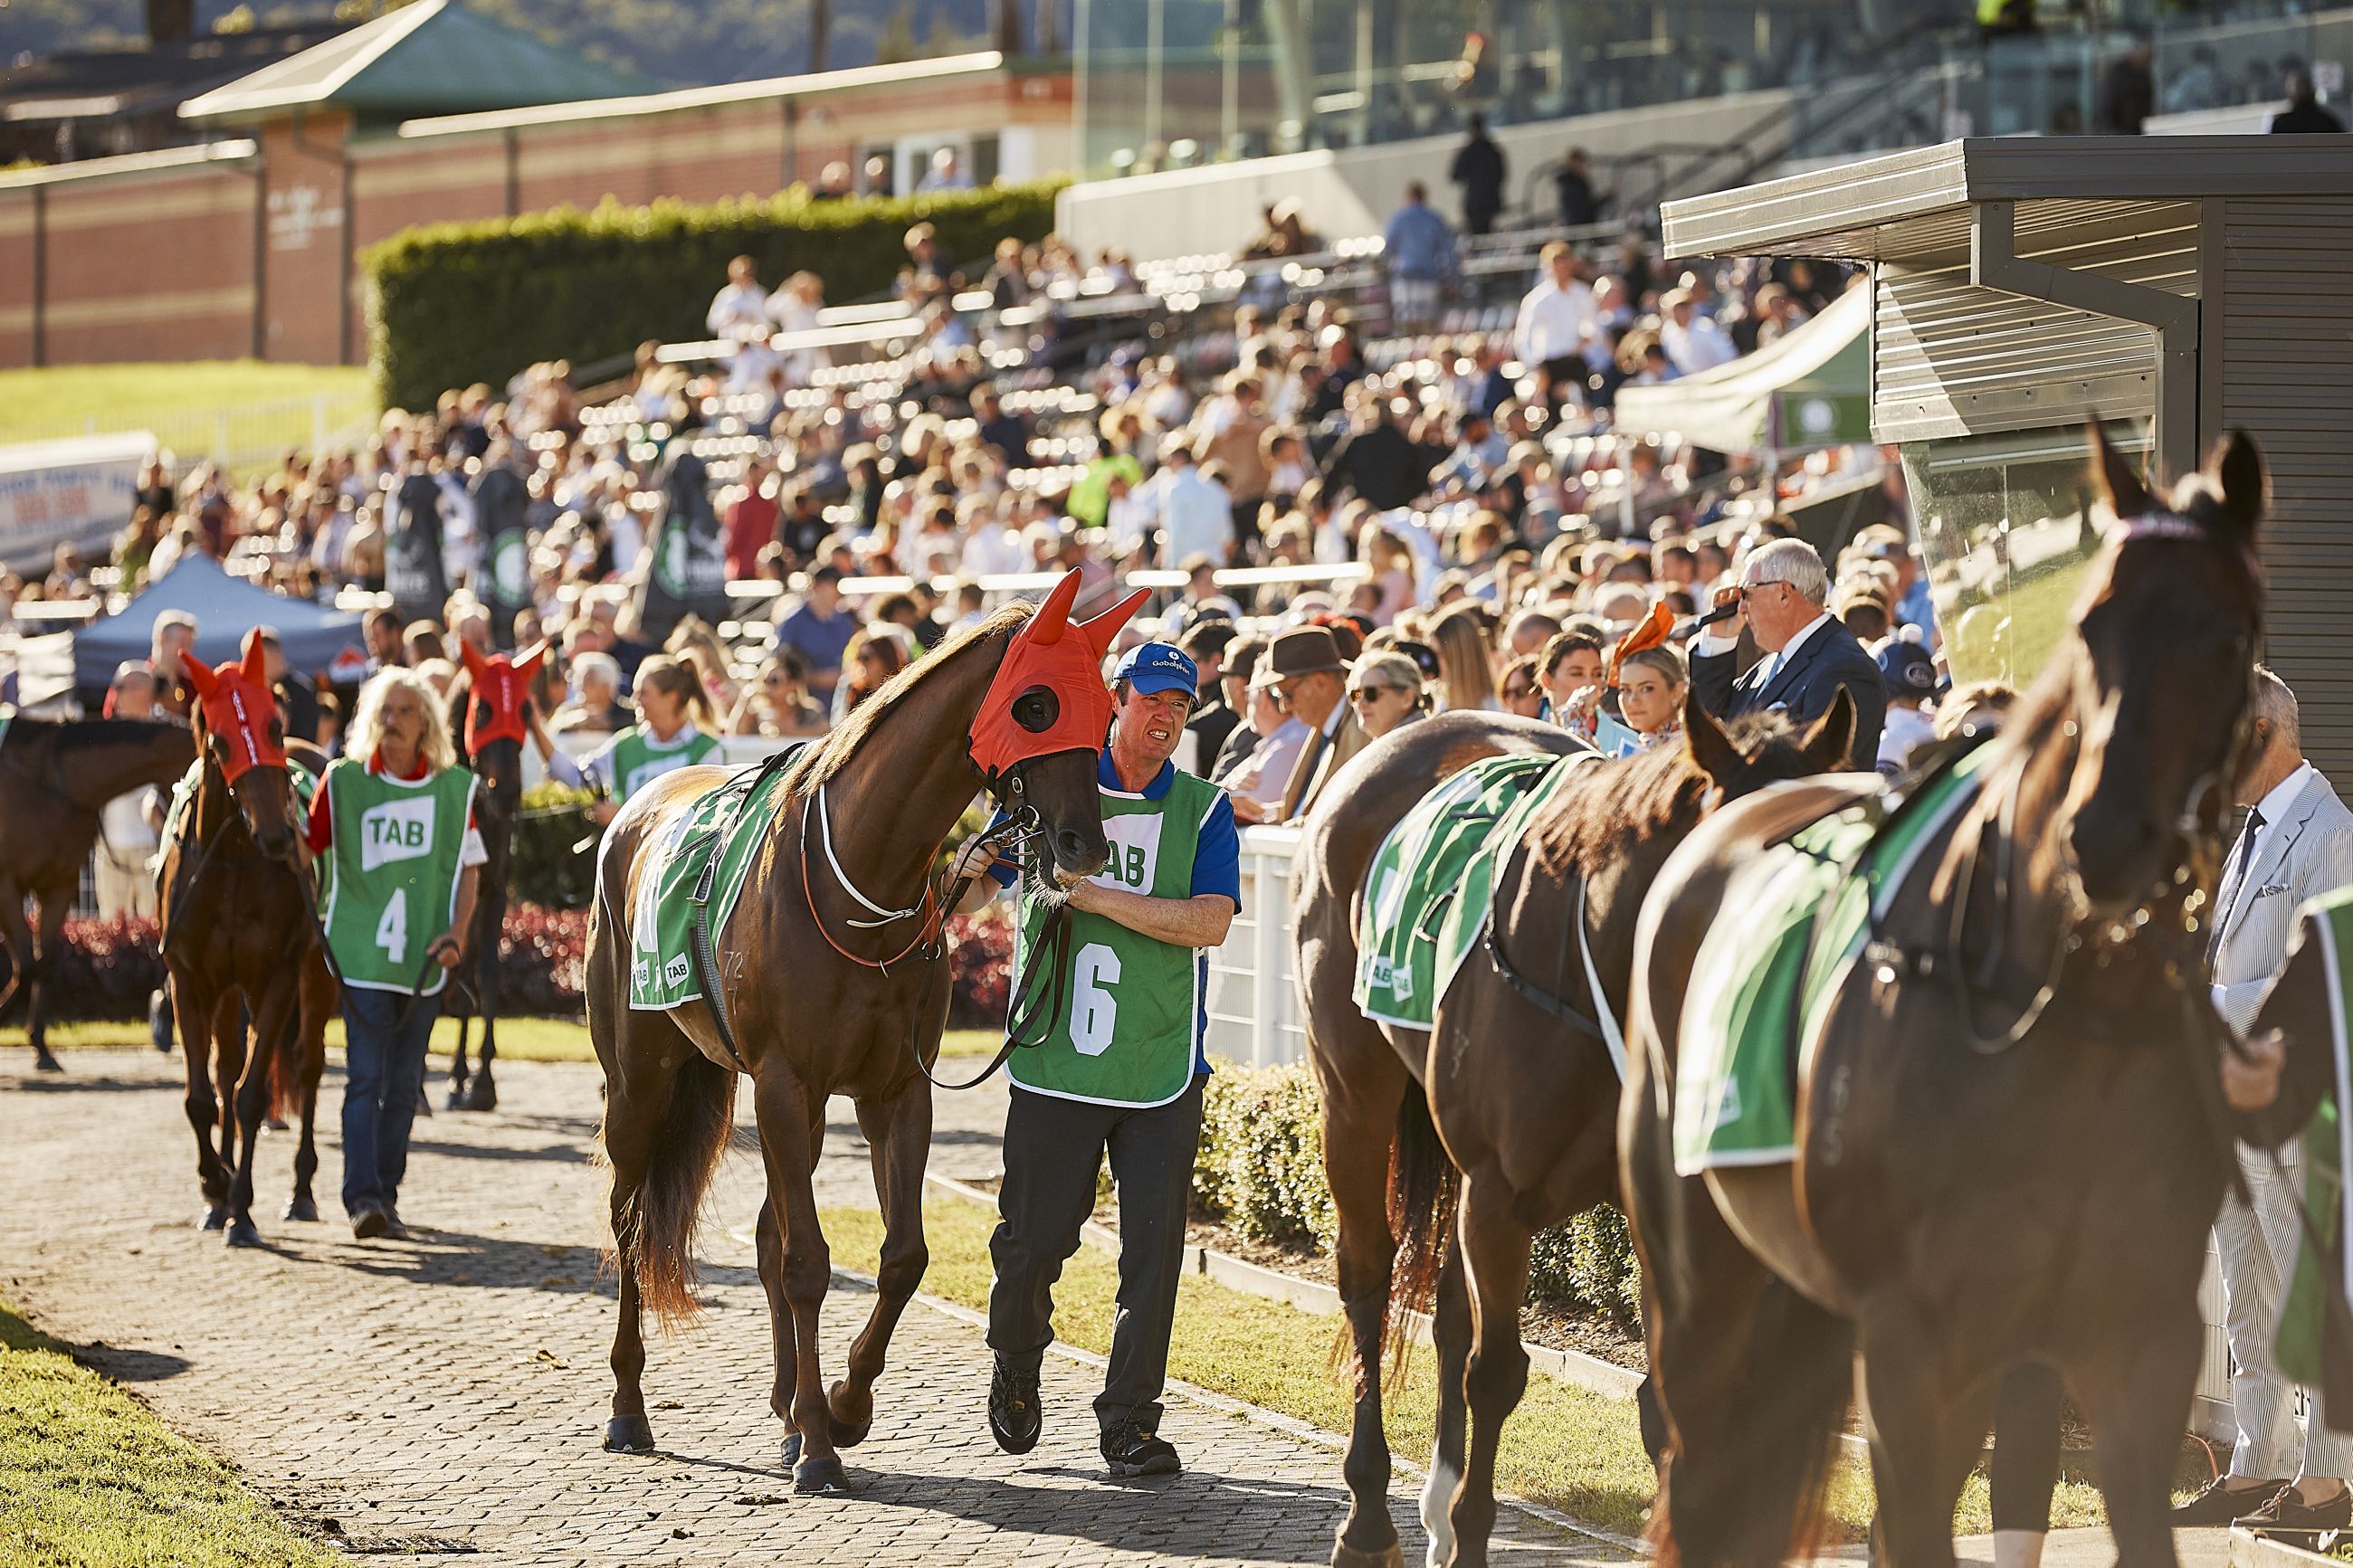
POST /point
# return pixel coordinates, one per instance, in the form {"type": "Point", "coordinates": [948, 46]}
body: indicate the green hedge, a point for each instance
{"type": "Point", "coordinates": [1260, 1172]}
{"type": "Point", "coordinates": [548, 869]}
{"type": "Point", "coordinates": [453, 304]}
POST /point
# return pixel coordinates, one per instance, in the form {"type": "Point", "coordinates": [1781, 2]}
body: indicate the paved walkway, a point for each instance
{"type": "Point", "coordinates": [450, 1392]}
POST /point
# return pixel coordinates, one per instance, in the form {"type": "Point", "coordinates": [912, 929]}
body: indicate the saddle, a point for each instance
{"type": "Point", "coordinates": [1430, 892]}
{"type": "Point", "coordinates": [694, 875]}
{"type": "Point", "coordinates": [1794, 920]}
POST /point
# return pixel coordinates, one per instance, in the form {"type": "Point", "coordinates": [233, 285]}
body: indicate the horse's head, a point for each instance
{"type": "Point", "coordinates": [1767, 751]}
{"type": "Point", "coordinates": [497, 697]}
{"type": "Point", "coordinates": [2160, 677]}
{"type": "Point", "coordinates": [1043, 720]}
{"type": "Point", "coordinates": [239, 733]}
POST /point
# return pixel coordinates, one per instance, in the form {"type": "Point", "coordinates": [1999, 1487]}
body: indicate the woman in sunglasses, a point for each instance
{"type": "Point", "coordinates": [1386, 688]}
{"type": "Point", "coordinates": [1521, 691]}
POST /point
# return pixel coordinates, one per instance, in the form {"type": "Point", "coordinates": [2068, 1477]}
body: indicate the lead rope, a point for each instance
{"type": "Point", "coordinates": [1040, 993]}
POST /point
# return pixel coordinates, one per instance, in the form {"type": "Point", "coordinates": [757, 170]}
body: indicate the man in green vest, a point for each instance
{"type": "Point", "coordinates": [1120, 1071]}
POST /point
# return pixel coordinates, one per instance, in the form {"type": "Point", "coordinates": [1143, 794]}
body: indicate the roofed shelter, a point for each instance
{"type": "Point", "coordinates": [2176, 286]}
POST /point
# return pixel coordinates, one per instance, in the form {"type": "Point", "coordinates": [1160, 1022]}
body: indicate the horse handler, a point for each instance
{"type": "Point", "coordinates": [406, 857]}
{"type": "Point", "coordinates": [1120, 1070]}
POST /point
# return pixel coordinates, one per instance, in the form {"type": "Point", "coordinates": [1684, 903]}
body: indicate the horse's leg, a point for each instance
{"type": "Point", "coordinates": [780, 1325]}
{"type": "Point", "coordinates": [2134, 1387]}
{"type": "Point", "coordinates": [315, 1005]}
{"type": "Point", "coordinates": [1359, 1125]}
{"type": "Point", "coordinates": [1494, 1245]}
{"type": "Point", "coordinates": [195, 1023]}
{"type": "Point", "coordinates": [18, 934]}
{"type": "Point", "coordinates": [457, 1100]}
{"type": "Point", "coordinates": [783, 1108]}
{"type": "Point", "coordinates": [272, 1019]}
{"type": "Point", "coordinates": [1450, 1327]}
{"type": "Point", "coordinates": [48, 940]}
{"type": "Point", "coordinates": [1928, 1429]}
{"type": "Point", "coordinates": [899, 1135]}
{"type": "Point", "coordinates": [483, 1093]}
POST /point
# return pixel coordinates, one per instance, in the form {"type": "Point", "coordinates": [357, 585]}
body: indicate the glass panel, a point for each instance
{"type": "Point", "coordinates": [2005, 523]}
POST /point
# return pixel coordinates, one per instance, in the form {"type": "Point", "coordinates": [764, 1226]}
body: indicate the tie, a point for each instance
{"type": "Point", "coordinates": [2234, 878]}
{"type": "Point", "coordinates": [1302, 773]}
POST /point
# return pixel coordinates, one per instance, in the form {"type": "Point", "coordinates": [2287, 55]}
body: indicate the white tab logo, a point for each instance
{"type": "Point", "coordinates": [396, 830]}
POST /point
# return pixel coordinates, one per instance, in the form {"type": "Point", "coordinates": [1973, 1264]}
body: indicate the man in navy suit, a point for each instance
{"type": "Point", "coordinates": [1809, 653]}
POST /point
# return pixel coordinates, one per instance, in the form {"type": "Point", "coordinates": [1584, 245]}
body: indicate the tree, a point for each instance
{"type": "Point", "coordinates": [171, 21]}
{"type": "Point", "coordinates": [896, 44]}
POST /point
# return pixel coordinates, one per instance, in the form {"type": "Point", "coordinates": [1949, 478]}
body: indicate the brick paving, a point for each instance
{"type": "Point", "coordinates": [449, 1393]}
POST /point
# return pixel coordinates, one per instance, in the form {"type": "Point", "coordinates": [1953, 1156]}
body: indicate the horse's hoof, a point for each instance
{"type": "Point", "coordinates": [456, 1098]}
{"type": "Point", "coordinates": [847, 1432]}
{"type": "Point", "coordinates": [44, 1062]}
{"type": "Point", "coordinates": [302, 1205]}
{"type": "Point", "coordinates": [820, 1477]}
{"type": "Point", "coordinates": [243, 1232]}
{"type": "Point", "coordinates": [215, 1217]}
{"type": "Point", "coordinates": [792, 1456]}
{"type": "Point", "coordinates": [482, 1095]}
{"type": "Point", "coordinates": [1346, 1556]}
{"type": "Point", "coordinates": [629, 1435]}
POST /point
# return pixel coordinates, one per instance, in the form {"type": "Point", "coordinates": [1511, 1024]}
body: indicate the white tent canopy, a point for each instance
{"type": "Point", "coordinates": [1808, 388]}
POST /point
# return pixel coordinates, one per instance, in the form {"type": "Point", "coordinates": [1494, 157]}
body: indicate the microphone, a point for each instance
{"type": "Point", "coordinates": [1699, 624]}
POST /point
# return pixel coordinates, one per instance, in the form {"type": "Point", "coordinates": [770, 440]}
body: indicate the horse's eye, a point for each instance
{"type": "Point", "coordinates": [1036, 709]}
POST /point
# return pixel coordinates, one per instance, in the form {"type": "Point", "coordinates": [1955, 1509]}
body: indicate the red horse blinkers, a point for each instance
{"type": "Point", "coordinates": [238, 709]}
{"type": "Point", "coordinates": [501, 691]}
{"type": "Point", "coordinates": [1049, 694]}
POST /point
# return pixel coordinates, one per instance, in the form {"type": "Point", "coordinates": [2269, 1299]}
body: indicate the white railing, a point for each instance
{"type": "Point", "coordinates": [240, 435]}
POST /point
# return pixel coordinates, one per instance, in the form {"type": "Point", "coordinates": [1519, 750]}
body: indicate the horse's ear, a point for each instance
{"type": "Point", "coordinates": [200, 675]}
{"type": "Point", "coordinates": [1710, 748]}
{"type": "Point", "coordinates": [527, 663]}
{"type": "Point", "coordinates": [255, 664]}
{"type": "Point", "coordinates": [1827, 743]}
{"type": "Point", "coordinates": [1045, 628]}
{"type": "Point", "coordinates": [471, 658]}
{"type": "Point", "coordinates": [2236, 466]}
{"type": "Point", "coordinates": [2126, 495]}
{"type": "Point", "coordinates": [1100, 631]}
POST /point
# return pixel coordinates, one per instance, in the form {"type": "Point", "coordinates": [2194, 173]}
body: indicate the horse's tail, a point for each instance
{"type": "Point", "coordinates": [1423, 1187]}
{"type": "Point", "coordinates": [286, 1069]}
{"type": "Point", "coordinates": [656, 1222]}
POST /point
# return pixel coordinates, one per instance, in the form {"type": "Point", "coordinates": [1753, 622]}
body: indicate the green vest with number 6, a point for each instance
{"type": "Point", "coordinates": [396, 849]}
{"type": "Point", "coordinates": [1127, 1031]}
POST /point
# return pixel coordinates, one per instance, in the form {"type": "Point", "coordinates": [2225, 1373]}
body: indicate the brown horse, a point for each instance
{"type": "Point", "coordinates": [57, 777]}
{"type": "Point", "coordinates": [239, 941]}
{"type": "Point", "coordinates": [830, 989]}
{"type": "Point", "coordinates": [1525, 1100]}
{"type": "Point", "coordinates": [2011, 1139]}
{"type": "Point", "coordinates": [489, 715]}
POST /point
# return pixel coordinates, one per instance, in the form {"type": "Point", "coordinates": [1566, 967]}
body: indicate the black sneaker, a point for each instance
{"type": "Point", "coordinates": [2222, 1500]}
{"type": "Point", "coordinates": [392, 1229]}
{"type": "Point", "coordinates": [368, 1224]}
{"type": "Point", "coordinates": [1015, 1415]}
{"type": "Point", "coordinates": [2288, 1514]}
{"type": "Point", "coordinates": [1130, 1450]}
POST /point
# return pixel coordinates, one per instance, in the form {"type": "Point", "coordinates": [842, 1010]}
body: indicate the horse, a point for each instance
{"type": "Point", "coordinates": [829, 990]}
{"type": "Point", "coordinates": [1524, 1099]}
{"type": "Point", "coordinates": [57, 776]}
{"type": "Point", "coordinates": [239, 939]}
{"type": "Point", "coordinates": [488, 708]}
{"type": "Point", "coordinates": [2010, 1139]}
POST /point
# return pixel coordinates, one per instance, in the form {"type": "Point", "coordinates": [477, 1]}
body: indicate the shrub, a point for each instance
{"type": "Point", "coordinates": [453, 304]}
{"type": "Point", "coordinates": [1261, 1173]}
{"type": "Point", "coordinates": [105, 971]}
{"type": "Point", "coordinates": [547, 869]}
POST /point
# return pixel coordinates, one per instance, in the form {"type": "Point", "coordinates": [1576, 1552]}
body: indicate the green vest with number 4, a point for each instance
{"type": "Point", "coordinates": [1127, 1031]}
{"type": "Point", "coordinates": [396, 848]}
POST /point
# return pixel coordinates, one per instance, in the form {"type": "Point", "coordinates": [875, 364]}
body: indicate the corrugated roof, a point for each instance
{"type": "Point", "coordinates": [431, 57]}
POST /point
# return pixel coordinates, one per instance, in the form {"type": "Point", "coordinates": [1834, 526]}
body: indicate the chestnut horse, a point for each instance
{"type": "Point", "coordinates": [57, 777]}
{"type": "Point", "coordinates": [1525, 1098]}
{"type": "Point", "coordinates": [2010, 1138]}
{"type": "Point", "coordinates": [488, 709]}
{"type": "Point", "coordinates": [241, 941]}
{"type": "Point", "coordinates": [834, 983]}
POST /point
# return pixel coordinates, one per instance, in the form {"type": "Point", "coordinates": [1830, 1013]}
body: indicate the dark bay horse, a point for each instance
{"type": "Point", "coordinates": [240, 941]}
{"type": "Point", "coordinates": [2011, 1139]}
{"type": "Point", "coordinates": [57, 777]}
{"type": "Point", "coordinates": [490, 716]}
{"type": "Point", "coordinates": [834, 983]}
{"type": "Point", "coordinates": [1526, 1102]}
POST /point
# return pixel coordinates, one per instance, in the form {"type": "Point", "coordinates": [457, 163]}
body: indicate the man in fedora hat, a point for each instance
{"type": "Point", "coordinates": [1310, 684]}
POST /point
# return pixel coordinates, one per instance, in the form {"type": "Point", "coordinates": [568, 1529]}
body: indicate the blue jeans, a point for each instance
{"type": "Point", "coordinates": [384, 1070]}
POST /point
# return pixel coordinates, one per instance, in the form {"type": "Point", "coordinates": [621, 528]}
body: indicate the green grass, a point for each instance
{"type": "Point", "coordinates": [89, 1476]}
{"type": "Point", "coordinates": [181, 402]}
{"type": "Point", "coordinates": [2025, 629]}
{"type": "Point", "coordinates": [519, 1039]}
{"type": "Point", "coordinates": [1573, 1450]}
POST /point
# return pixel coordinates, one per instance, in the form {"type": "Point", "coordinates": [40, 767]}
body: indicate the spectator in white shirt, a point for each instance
{"type": "Point", "coordinates": [945, 173]}
{"type": "Point", "coordinates": [740, 311]}
{"type": "Point", "coordinates": [1694, 343]}
{"type": "Point", "coordinates": [1557, 321]}
{"type": "Point", "coordinates": [1196, 514]}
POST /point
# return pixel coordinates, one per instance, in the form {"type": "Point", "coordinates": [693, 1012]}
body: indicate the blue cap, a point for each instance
{"type": "Point", "coordinates": [1155, 667]}
{"type": "Point", "coordinates": [1907, 669]}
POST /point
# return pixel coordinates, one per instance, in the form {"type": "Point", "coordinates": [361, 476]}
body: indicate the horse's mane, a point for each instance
{"type": "Point", "coordinates": [831, 754]}
{"type": "Point", "coordinates": [77, 734]}
{"type": "Point", "coordinates": [1617, 807]}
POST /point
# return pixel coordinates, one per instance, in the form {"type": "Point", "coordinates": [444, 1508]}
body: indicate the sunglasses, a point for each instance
{"type": "Point", "coordinates": [1518, 693]}
{"type": "Point", "coordinates": [1363, 696]}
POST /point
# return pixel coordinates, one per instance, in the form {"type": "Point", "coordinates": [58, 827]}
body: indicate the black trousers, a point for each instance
{"type": "Point", "coordinates": [1053, 1149]}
